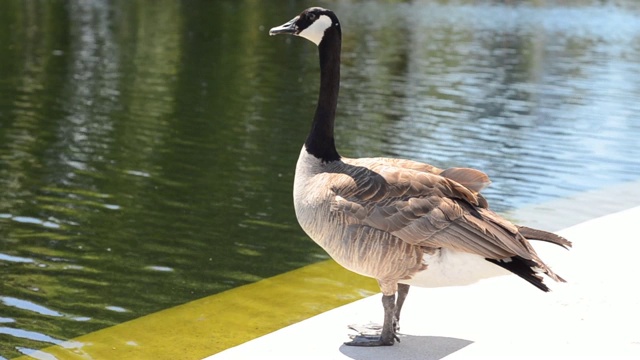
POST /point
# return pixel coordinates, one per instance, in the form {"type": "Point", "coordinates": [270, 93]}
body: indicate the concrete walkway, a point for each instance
{"type": "Point", "coordinates": [595, 315]}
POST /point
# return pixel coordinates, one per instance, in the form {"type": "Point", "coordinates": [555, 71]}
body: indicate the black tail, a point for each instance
{"type": "Point", "coordinates": [535, 234]}
{"type": "Point", "coordinates": [523, 268]}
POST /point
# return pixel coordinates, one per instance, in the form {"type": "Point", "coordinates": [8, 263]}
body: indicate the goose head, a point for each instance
{"type": "Point", "coordinates": [312, 24]}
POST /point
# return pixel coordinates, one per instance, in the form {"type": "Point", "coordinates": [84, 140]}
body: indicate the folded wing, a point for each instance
{"type": "Point", "coordinates": [437, 209]}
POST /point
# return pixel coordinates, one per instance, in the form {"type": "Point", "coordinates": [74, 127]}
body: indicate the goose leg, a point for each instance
{"type": "Point", "coordinates": [403, 290]}
{"type": "Point", "coordinates": [388, 335]}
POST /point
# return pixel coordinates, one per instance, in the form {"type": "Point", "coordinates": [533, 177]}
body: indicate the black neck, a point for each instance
{"type": "Point", "coordinates": [320, 142]}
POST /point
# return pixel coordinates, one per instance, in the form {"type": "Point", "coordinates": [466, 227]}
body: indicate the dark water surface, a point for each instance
{"type": "Point", "coordinates": [147, 148]}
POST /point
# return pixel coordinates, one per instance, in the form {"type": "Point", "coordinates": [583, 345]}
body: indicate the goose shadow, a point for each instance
{"type": "Point", "coordinates": [410, 348]}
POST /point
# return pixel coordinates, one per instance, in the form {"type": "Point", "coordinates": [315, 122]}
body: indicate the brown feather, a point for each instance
{"type": "Point", "coordinates": [428, 209]}
{"type": "Point", "coordinates": [473, 179]}
{"type": "Point", "coordinates": [535, 234]}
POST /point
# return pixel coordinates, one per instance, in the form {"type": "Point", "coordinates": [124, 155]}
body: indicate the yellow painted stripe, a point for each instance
{"type": "Point", "coordinates": [206, 326]}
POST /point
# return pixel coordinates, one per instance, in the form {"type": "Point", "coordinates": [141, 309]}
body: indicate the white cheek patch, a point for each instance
{"type": "Point", "coordinates": [315, 32]}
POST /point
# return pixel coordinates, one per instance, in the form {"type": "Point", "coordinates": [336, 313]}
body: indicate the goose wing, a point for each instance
{"type": "Point", "coordinates": [430, 210]}
{"type": "Point", "coordinates": [472, 179]}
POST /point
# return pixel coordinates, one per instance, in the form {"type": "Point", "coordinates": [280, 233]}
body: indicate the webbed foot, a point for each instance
{"type": "Point", "coordinates": [366, 340]}
{"type": "Point", "coordinates": [386, 334]}
{"type": "Point", "coordinates": [371, 335]}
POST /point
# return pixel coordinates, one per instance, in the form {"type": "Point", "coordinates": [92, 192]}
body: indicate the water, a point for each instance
{"type": "Point", "coordinates": [147, 148]}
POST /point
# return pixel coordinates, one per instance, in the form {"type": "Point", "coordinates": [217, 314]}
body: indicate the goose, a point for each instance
{"type": "Point", "coordinates": [401, 222]}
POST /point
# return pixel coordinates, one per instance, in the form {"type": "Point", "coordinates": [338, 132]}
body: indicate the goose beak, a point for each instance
{"type": "Point", "coordinates": [289, 27]}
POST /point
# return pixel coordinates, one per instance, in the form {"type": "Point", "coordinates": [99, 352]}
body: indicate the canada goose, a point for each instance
{"type": "Point", "coordinates": [398, 221]}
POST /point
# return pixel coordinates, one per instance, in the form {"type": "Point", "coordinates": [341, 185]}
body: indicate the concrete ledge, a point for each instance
{"type": "Point", "coordinates": [595, 315]}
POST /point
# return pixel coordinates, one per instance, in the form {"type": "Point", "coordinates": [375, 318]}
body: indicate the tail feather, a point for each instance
{"type": "Point", "coordinates": [523, 268]}
{"type": "Point", "coordinates": [530, 269]}
{"type": "Point", "coordinates": [535, 234]}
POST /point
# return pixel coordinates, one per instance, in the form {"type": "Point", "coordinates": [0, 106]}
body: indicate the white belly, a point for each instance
{"type": "Point", "coordinates": [453, 268]}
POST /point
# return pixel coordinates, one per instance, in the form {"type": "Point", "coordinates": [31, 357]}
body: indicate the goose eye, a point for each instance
{"type": "Point", "coordinates": [311, 16]}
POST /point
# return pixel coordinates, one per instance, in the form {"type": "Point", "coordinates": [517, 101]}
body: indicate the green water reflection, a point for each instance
{"type": "Point", "coordinates": [147, 148]}
{"type": "Point", "coordinates": [136, 169]}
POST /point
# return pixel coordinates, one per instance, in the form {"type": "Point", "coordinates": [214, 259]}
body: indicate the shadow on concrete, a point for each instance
{"type": "Point", "coordinates": [410, 348]}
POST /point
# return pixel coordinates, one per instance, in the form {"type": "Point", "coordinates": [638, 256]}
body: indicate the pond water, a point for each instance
{"type": "Point", "coordinates": [147, 148]}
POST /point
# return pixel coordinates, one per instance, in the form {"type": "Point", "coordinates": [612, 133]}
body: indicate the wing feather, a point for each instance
{"type": "Point", "coordinates": [428, 209]}
{"type": "Point", "coordinates": [473, 179]}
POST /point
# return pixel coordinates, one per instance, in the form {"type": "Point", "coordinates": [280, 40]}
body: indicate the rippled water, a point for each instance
{"type": "Point", "coordinates": [147, 148]}
{"type": "Point", "coordinates": [544, 99]}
